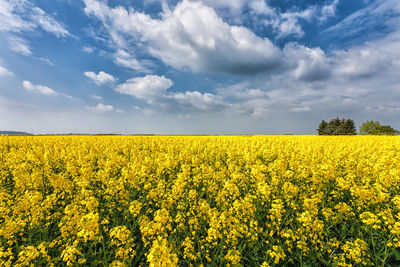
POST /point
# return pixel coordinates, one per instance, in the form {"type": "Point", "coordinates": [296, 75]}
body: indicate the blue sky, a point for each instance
{"type": "Point", "coordinates": [197, 67]}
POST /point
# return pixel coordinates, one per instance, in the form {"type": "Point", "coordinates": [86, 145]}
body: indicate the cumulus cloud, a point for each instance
{"type": "Point", "coordinates": [338, 81]}
{"type": "Point", "coordinates": [5, 72]}
{"type": "Point", "coordinates": [41, 89]}
{"type": "Point", "coordinates": [288, 23]}
{"type": "Point", "coordinates": [100, 78]}
{"type": "Point", "coordinates": [192, 36]}
{"type": "Point", "coordinates": [311, 63]}
{"type": "Point", "coordinates": [148, 87]}
{"type": "Point", "coordinates": [195, 101]}
{"type": "Point", "coordinates": [361, 62]}
{"type": "Point", "coordinates": [153, 89]}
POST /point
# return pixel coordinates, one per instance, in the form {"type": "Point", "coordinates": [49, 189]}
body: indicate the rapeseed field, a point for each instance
{"type": "Point", "coordinates": [205, 200]}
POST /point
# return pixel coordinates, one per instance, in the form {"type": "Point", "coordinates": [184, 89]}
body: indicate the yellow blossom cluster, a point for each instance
{"type": "Point", "coordinates": [197, 201]}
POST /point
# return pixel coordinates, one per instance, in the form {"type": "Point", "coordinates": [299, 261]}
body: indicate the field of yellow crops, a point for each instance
{"type": "Point", "coordinates": [216, 200]}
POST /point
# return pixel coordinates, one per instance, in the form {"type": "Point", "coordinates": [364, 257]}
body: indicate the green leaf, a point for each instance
{"type": "Point", "coordinates": [396, 254]}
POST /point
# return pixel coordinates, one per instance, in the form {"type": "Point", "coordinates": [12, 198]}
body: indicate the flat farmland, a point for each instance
{"type": "Point", "coordinates": [200, 200]}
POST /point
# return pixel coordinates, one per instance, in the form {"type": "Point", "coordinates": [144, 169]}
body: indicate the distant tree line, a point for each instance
{"type": "Point", "coordinates": [14, 133]}
{"type": "Point", "coordinates": [338, 126]}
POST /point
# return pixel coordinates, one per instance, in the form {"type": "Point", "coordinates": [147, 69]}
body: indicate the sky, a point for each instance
{"type": "Point", "coordinates": [197, 67]}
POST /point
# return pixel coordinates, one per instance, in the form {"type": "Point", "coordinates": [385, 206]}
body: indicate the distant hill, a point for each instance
{"type": "Point", "coordinates": [14, 133]}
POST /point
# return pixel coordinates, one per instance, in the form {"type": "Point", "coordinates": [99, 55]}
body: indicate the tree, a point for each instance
{"type": "Point", "coordinates": [337, 126]}
{"type": "Point", "coordinates": [322, 127]}
{"type": "Point", "coordinates": [370, 127]}
{"type": "Point", "coordinates": [349, 127]}
{"type": "Point", "coordinates": [332, 127]}
{"type": "Point", "coordinates": [375, 128]}
{"type": "Point", "coordinates": [388, 130]}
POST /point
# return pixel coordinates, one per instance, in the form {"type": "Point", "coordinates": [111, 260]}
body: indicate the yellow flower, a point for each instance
{"type": "Point", "coordinates": [161, 254]}
{"type": "Point", "coordinates": [277, 254]}
{"type": "Point", "coordinates": [135, 208]}
{"type": "Point", "coordinates": [233, 256]}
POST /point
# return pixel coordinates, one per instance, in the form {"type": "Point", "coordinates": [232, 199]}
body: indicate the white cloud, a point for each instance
{"type": "Point", "coordinates": [69, 96]}
{"type": "Point", "coordinates": [21, 16]}
{"type": "Point", "coordinates": [284, 23]}
{"type": "Point", "coordinates": [250, 94]}
{"type": "Point", "coordinates": [153, 89]}
{"type": "Point", "coordinates": [9, 20]}
{"type": "Point", "coordinates": [102, 108]}
{"type": "Point", "coordinates": [19, 45]}
{"type": "Point", "coordinates": [47, 61]}
{"type": "Point", "coordinates": [41, 89]}
{"type": "Point", "coordinates": [88, 49]}
{"type": "Point", "coordinates": [288, 23]}
{"type": "Point", "coordinates": [362, 62]}
{"type": "Point", "coordinates": [242, 91]}
{"type": "Point", "coordinates": [145, 111]}
{"type": "Point", "coordinates": [100, 78]}
{"type": "Point", "coordinates": [328, 11]}
{"type": "Point", "coordinates": [371, 19]}
{"type": "Point", "coordinates": [48, 23]}
{"type": "Point", "coordinates": [148, 87]}
{"type": "Point", "coordinates": [311, 63]}
{"type": "Point", "coordinates": [123, 58]}
{"type": "Point", "coordinates": [96, 97]}
{"type": "Point", "coordinates": [261, 7]}
{"type": "Point", "coordinates": [191, 36]}
{"type": "Point", "coordinates": [17, 16]}
{"type": "Point", "coordinates": [196, 101]}
{"type": "Point", "coordinates": [5, 72]}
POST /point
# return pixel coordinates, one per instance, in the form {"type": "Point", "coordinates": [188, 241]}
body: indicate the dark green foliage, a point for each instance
{"type": "Point", "coordinates": [322, 127]}
{"type": "Point", "coordinates": [375, 128]}
{"type": "Point", "coordinates": [337, 126]}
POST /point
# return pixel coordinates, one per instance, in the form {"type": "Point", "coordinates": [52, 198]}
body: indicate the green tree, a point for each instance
{"type": "Point", "coordinates": [337, 126]}
{"type": "Point", "coordinates": [333, 127]}
{"type": "Point", "coordinates": [370, 127]}
{"type": "Point", "coordinates": [388, 130]}
{"type": "Point", "coordinates": [322, 127]}
{"type": "Point", "coordinates": [375, 128]}
{"type": "Point", "coordinates": [349, 127]}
